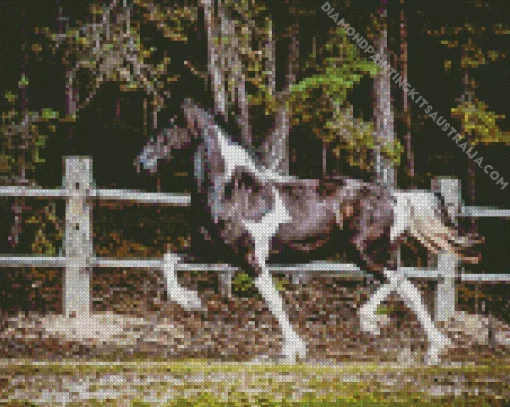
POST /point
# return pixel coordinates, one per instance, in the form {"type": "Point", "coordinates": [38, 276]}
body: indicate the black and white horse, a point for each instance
{"type": "Point", "coordinates": [254, 213]}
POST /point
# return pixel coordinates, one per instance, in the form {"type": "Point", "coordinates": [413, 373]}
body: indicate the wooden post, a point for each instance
{"type": "Point", "coordinates": [447, 263]}
{"type": "Point", "coordinates": [299, 277]}
{"type": "Point", "coordinates": [225, 282]}
{"type": "Point", "coordinates": [78, 247]}
{"type": "Point", "coordinates": [170, 261]}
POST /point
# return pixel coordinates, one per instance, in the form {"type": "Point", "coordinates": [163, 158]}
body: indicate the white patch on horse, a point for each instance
{"type": "Point", "coordinates": [401, 216]}
{"type": "Point", "coordinates": [415, 214]}
{"type": "Point", "coordinates": [236, 156]}
{"type": "Point", "coordinates": [263, 231]}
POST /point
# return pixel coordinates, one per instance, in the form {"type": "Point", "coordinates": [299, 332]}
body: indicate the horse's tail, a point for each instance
{"type": "Point", "coordinates": [429, 222]}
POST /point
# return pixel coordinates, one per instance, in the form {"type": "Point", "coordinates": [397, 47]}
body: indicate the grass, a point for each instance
{"type": "Point", "coordinates": [205, 366]}
{"type": "Point", "coordinates": [208, 400]}
{"type": "Point", "coordinates": [206, 383]}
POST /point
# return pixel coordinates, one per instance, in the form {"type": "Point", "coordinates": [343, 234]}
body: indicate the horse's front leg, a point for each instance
{"type": "Point", "coordinates": [187, 299]}
{"type": "Point", "coordinates": [293, 346]}
{"type": "Point", "coordinates": [262, 234]}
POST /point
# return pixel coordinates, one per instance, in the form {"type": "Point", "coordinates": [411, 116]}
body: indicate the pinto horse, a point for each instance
{"type": "Point", "coordinates": [254, 213]}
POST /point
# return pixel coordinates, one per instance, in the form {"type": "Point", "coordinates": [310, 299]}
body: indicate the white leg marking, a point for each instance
{"type": "Point", "coordinates": [293, 345]}
{"type": "Point", "coordinates": [404, 222]}
{"type": "Point", "coordinates": [401, 217]}
{"type": "Point", "coordinates": [262, 232]}
{"type": "Point", "coordinates": [369, 321]}
{"type": "Point", "coordinates": [412, 297]}
{"type": "Point", "coordinates": [187, 299]}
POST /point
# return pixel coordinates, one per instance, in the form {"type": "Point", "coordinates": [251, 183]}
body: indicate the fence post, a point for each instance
{"type": "Point", "coordinates": [78, 246]}
{"type": "Point", "coordinates": [447, 264]}
{"type": "Point", "coordinates": [225, 282]}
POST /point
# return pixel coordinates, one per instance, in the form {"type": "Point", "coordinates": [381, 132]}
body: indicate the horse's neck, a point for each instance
{"type": "Point", "coordinates": [198, 165]}
{"type": "Point", "coordinates": [208, 179]}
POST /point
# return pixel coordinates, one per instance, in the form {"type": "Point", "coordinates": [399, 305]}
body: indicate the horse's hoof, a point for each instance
{"type": "Point", "coordinates": [437, 348]}
{"type": "Point", "coordinates": [294, 350]}
{"type": "Point", "coordinates": [432, 358]}
{"type": "Point", "coordinates": [194, 305]}
{"type": "Point", "coordinates": [370, 326]}
{"type": "Point", "coordinates": [372, 323]}
{"type": "Point", "coordinates": [187, 299]}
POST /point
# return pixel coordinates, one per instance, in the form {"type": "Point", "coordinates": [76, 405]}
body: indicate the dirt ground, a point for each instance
{"type": "Point", "coordinates": [164, 352]}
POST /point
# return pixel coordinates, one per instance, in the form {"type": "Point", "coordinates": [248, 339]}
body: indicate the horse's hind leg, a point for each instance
{"type": "Point", "coordinates": [413, 299]}
{"type": "Point", "coordinates": [369, 320]}
{"type": "Point", "coordinates": [187, 299]}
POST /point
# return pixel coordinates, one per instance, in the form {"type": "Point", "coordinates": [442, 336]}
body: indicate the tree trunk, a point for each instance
{"type": "Point", "coordinates": [270, 57]}
{"type": "Point", "coordinates": [471, 170]}
{"type": "Point", "coordinates": [213, 55]}
{"type": "Point", "coordinates": [233, 69]}
{"type": "Point", "coordinates": [406, 107]}
{"type": "Point", "coordinates": [17, 207]}
{"type": "Point", "coordinates": [383, 117]}
{"type": "Point", "coordinates": [276, 146]}
{"type": "Point", "coordinates": [243, 107]}
{"type": "Point", "coordinates": [471, 183]}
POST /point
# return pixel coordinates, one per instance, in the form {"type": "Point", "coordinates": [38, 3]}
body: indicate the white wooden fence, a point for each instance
{"type": "Point", "coordinates": [79, 191]}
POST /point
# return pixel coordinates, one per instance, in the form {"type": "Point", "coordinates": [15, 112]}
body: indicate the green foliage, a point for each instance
{"type": "Point", "coordinates": [48, 114]}
{"type": "Point", "coordinates": [472, 55]}
{"type": "Point", "coordinates": [23, 137]}
{"type": "Point", "coordinates": [385, 309]}
{"type": "Point", "coordinates": [173, 21]}
{"type": "Point", "coordinates": [320, 100]}
{"type": "Point", "coordinates": [23, 82]}
{"type": "Point", "coordinates": [47, 230]}
{"type": "Point", "coordinates": [341, 68]}
{"type": "Point", "coordinates": [115, 51]}
{"type": "Point", "coordinates": [312, 400]}
{"type": "Point", "coordinates": [476, 118]}
{"type": "Point", "coordinates": [281, 283]}
{"type": "Point", "coordinates": [242, 284]}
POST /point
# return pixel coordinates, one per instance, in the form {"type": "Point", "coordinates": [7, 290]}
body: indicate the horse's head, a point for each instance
{"type": "Point", "coordinates": [172, 138]}
{"type": "Point", "coordinates": [197, 119]}
{"type": "Point", "coordinates": [161, 146]}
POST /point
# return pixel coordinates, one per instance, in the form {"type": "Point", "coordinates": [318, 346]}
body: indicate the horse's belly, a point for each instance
{"type": "Point", "coordinates": [305, 226]}
{"type": "Point", "coordinates": [305, 236]}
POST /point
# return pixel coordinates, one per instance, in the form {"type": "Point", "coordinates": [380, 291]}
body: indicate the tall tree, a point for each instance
{"type": "Point", "coordinates": [477, 123]}
{"type": "Point", "coordinates": [406, 108]}
{"type": "Point", "coordinates": [383, 112]}
{"type": "Point", "coordinates": [320, 101]}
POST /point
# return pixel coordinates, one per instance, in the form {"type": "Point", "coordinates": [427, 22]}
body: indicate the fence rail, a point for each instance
{"type": "Point", "coordinates": [484, 212]}
{"type": "Point", "coordinates": [326, 268]}
{"type": "Point", "coordinates": [78, 261]}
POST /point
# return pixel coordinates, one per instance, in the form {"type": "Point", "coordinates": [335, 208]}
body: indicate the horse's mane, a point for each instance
{"type": "Point", "coordinates": [203, 120]}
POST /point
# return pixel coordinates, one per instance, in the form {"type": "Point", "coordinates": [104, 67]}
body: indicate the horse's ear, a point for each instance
{"type": "Point", "coordinates": [182, 137]}
{"type": "Point", "coordinates": [187, 103]}
{"type": "Point", "coordinates": [187, 106]}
